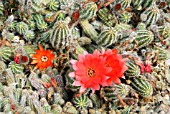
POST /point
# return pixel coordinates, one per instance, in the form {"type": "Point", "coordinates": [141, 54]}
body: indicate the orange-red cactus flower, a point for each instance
{"type": "Point", "coordinates": [42, 58]}
{"type": "Point", "coordinates": [90, 71]}
{"type": "Point", "coordinates": [117, 63]}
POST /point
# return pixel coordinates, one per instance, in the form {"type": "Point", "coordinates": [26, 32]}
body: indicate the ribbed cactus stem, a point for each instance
{"type": "Point", "coordinates": [144, 38]}
{"type": "Point", "coordinates": [60, 36]}
{"type": "Point", "coordinates": [142, 87]}
{"type": "Point", "coordinates": [89, 29]}
{"type": "Point", "coordinates": [107, 37]}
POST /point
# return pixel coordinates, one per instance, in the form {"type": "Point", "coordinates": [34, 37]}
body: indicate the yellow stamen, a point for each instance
{"type": "Point", "coordinates": [91, 72]}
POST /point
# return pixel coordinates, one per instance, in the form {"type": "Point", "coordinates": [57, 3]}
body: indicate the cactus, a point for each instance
{"type": "Point", "coordinates": [96, 101]}
{"type": "Point", "coordinates": [81, 102]}
{"type": "Point", "coordinates": [82, 41]}
{"type": "Point", "coordinates": [90, 48]}
{"type": "Point", "coordinates": [31, 25]}
{"type": "Point", "coordinates": [125, 17]}
{"type": "Point", "coordinates": [108, 18]}
{"type": "Point", "coordinates": [1, 8]}
{"type": "Point", "coordinates": [122, 89]}
{"type": "Point", "coordinates": [137, 3]}
{"type": "Point", "coordinates": [161, 54]}
{"type": "Point", "coordinates": [58, 99]}
{"type": "Point", "coordinates": [164, 31]}
{"type": "Point", "coordinates": [21, 27]}
{"type": "Point", "coordinates": [69, 84]}
{"type": "Point", "coordinates": [12, 26]}
{"type": "Point", "coordinates": [122, 27]}
{"type": "Point", "coordinates": [69, 108]}
{"type": "Point", "coordinates": [46, 106]}
{"type": "Point", "coordinates": [109, 93]}
{"type": "Point", "coordinates": [133, 69]}
{"type": "Point", "coordinates": [9, 76]}
{"type": "Point", "coordinates": [89, 29]}
{"type": "Point", "coordinates": [10, 36]}
{"type": "Point", "coordinates": [144, 38]}
{"type": "Point", "coordinates": [107, 37]}
{"type": "Point", "coordinates": [147, 3]}
{"type": "Point", "coordinates": [53, 5]}
{"type": "Point", "coordinates": [27, 110]}
{"type": "Point", "coordinates": [141, 26]}
{"type": "Point", "coordinates": [2, 66]}
{"type": "Point", "coordinates": [142, 87]}
{"type": "Point", "coordinates": [29, 35]}
{"type": "Point", "coordinates": [152, 14]}
{"type": "Point", "coordinates": [41, 24]}
{"type": "Point", "coordinates": [18, 93]}
{"type": "Point", "coordinates": [44, 37]}
{"type": "Point", "coordinates": [6, 53]}
{"type": "Point", "coordinates": [60, 36]}
{"type": "Point", "coordinates": [63, 2]}
{"type": "Point", "coordinates": [35, 7]}
{"type": "Point", "coordinates": [57, 109]}
{"type": "Point", "coordinates": [125, 3]}
{"type": "Point", "coordinates": [89, 11]}
{"type": "Point", "coordinates": [16, 68]}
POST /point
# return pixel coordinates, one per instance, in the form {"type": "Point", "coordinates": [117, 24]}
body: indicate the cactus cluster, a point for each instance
{"type": "Point", "coordinates": [136, 29]}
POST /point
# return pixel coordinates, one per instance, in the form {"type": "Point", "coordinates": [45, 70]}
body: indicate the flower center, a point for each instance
{"type": "Point", "coordinates": [91, 72]}
{"type": "Point", "coordinates": [44, 58]}
{"type": "Point", "coordinates": [107, 65]}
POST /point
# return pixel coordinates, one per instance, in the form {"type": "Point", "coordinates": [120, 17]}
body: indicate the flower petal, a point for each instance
{"type": "Point", "coordinates": [40, 47]}
{"type": "Point", "coordinates": [71, 74]}
{"type": "Point", "coordinates": [72, 61]}
{"type": "Point", "coordinates": [77, 83]}
{"type": "Point", "coordinates": [82, 89]}
{"type": "Point", "coordinates": [117, 81]}
{"type": "Point", "coordinates": [34, 62]}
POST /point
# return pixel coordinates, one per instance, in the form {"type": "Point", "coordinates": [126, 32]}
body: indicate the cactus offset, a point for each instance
{"type": "Point", "coordinates": [41, 24]}
{"type": "Point", "coordinates": [29, 35]}
{"type": "Point", "coordinates": [89, 11]}
{"type": "Point", "coordinates": [16, 68]}
{"type": "Point", "coordinates": [107, 37]}
{"type": "Point", "coordinates": [133, 69]}
{"type": "Point", "coordinates": [81, 102]}
{"type": "Point", "coordinates": [89, 29]}
{"type": "Point", "coordinates": [142, 87]}
{"type": "Point", "coordinates": [53, 5]}
{"type": "Point", "coordinates": [60, 36]}
{"type": "Point", "coordinates": [108, 18]}
{"type": "Point", "coordinates": [21, 27]}
{"type": "Point", "coordinates": [144, 38]}
{"type": "Point", "coordinates": [6, 53]}
{"type": "Point", "coordinates": [152, 14]}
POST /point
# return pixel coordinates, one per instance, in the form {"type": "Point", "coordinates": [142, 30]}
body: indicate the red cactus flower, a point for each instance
{"type": "Point", "coordinates": [90, 71]}
{"type": "Point", "coordinates": [148, 67]}
{"type": "Point", "coordinates": [17, 59]}
{"type": "Point", "coordinates": [24, 59]}
{"type": "Point", "coordinates": [142, 68]}
{"type": "Point", "coordinates": [75, 15]}
{"type": "Point", "coordinates": [115, 61]}
{"type": "Point", "coordinates": [43, 58]}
